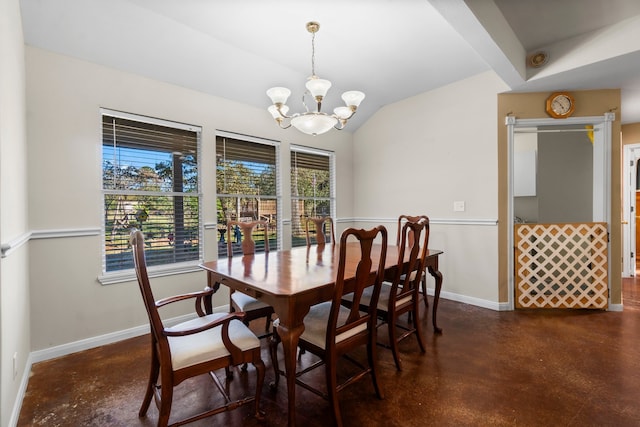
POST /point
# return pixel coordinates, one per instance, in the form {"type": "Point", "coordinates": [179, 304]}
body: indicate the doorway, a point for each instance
{"type": "Point", "coordinates": [600, 135]}
{"type": "Point", "coordinates": [630, 226]}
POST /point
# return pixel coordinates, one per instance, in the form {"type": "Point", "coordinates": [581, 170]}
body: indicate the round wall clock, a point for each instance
{"type": "Point", "coordinates": [560, 105]}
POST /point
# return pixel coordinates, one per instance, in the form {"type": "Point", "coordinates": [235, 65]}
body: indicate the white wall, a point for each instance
{"type": "Point", "coordinates": [64, 95]}
{"type": "Point", "coordinates": [14, 275]}
{"type": "Point", "coordinates": [420, 155]}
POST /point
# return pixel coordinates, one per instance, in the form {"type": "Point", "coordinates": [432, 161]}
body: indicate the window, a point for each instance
{"type": "Point", "coordinates": [247, 186]}
{"type": "Point", "coordinates": [150, 182]}
{"type": "Point", "coordinates": [312, 189]}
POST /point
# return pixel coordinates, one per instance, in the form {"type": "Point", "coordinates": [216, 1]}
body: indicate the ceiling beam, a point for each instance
{"type": "Point", "coordinates": [483, 26]}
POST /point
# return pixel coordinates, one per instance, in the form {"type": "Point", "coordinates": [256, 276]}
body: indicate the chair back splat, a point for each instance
{"type": "Point", "coordinates": [196, 347]}
{"type": "Point", "coordinates": [320, 225]}
{"type": "Point", "coordinates": [246, 234]}
{"type": "Point", "coordinates": [333, 330]}
{"type": "Point", "coordinates": [415, 218]}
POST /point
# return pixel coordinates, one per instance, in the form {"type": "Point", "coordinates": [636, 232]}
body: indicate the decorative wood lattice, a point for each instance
{"type": "Point", "coordinates": [561, 265]}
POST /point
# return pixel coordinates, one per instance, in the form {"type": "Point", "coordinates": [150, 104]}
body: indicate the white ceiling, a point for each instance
{"type": "Point", "coordinates": [389, 49]}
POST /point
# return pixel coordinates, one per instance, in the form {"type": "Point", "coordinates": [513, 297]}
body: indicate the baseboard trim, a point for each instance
{"type": "Point", "coordinates": [478, 302]}
{"type": "Point", "coordinates": [24, 381]}
{"type": "Point", "coordinates": [615, 307]}
{"type": "Point", "coordinates": [86, 344]}
{"type": "Point", "coordinates": [100, 340]}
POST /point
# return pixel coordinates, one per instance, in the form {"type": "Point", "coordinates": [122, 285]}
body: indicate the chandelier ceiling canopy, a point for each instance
{"type": "Point", "coordinates": [313, 122]}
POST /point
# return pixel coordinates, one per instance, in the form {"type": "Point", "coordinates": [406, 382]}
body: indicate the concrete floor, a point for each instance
{"type": "Point", "coordinates": [521, 368]}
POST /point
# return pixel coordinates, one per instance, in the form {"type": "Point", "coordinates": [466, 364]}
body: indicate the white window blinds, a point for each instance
{"type": "Point", "coordinates": [247, 188]}
{"type": "Point", "coordinates": [150, 182]}
{"type": "Point", "coordinates": [312, 192]}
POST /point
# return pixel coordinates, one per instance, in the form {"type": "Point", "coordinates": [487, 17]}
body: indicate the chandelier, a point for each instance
{"type": "Point", "coordinates": [313, 122]}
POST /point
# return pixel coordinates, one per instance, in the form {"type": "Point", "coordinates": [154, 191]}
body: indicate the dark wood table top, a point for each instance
{"type": "Point", "coordinates": [296, 271]}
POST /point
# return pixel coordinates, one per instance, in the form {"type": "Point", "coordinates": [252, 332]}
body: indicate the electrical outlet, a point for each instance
{"type": "Point", "coordinates": [15, 365]}
{"type": "Point", "coordinates": [458, 206]}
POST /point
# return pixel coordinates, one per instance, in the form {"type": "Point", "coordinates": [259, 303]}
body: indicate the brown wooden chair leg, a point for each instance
{"type": "Point", "coordinates": [393, 340]}
{"type": "Point", "coordinates": [418, 327]}
{"type": "Point", "coordinates": [153, 379]}
{"type": "Point", "coordinates": [260, 369]}
{"type": "Point", "coordinates": [424, 292]}
{"type": "Point", "coordinates": [373, 365]}
{"type": "Point", "coordinates": [332, 393]}
{"type": "Point", "coordinates": [267, 324]}
{"type": "Point", "coordinates": [166, 393]}
{"type": "Point", "coordinates": [274, 340]}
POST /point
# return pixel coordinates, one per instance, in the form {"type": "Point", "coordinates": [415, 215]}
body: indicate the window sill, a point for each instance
{"type": "Point", "coordinates": [158, 271]}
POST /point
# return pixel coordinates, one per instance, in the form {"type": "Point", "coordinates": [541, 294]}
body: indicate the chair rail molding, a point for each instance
{"type": "Point", "coordinates": [442, 221]}
{"type": "Point", "coordinates": [8, 247]}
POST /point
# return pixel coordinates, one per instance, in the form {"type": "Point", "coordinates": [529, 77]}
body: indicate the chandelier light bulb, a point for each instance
{"type": "Point", "coordinates": [318, 87]}
{"type": "Point", "coordinates": [279, 95]}
{"type": "Point", "coordinates": [353, 98]}
{"type": "Point", "coordinates": [343, 112]}
{"type": "Point", "coordinates": [276, 114]}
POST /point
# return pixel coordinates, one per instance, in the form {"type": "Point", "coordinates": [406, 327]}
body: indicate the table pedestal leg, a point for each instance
{"type": "Point", "coordinates": [438, 276]}
{"type": "Point", "coordinates": [289, 338]}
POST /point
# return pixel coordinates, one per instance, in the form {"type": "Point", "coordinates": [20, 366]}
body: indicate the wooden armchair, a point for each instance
{"type": "Point", "coordinates": [192, 348]}
{"type": "Point", "coordinates": [253, 308]}
{"type": "Point", "coordinates": [333, 330]}
{"type": "Point", "coordinates": [320, 224]}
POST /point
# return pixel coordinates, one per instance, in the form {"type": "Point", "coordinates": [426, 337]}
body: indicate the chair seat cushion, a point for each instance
{"type": "Point", "coordinates": [412, 277]}
{"type": "Point", "coordinates": [246, 303]}
{"type": "Point", "coordinates": [315, 324]}
{"type": "Point", "coordinates": [196, 348]}
{"type": "Point", "coordinates": [383, 299]}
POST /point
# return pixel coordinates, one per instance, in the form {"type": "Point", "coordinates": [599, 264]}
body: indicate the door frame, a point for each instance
{"type": "Point", "coordinates": [629, 170]}
{"type": "Point", "coordinates": [601, 178]}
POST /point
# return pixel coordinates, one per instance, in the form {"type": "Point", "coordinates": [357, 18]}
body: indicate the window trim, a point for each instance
{"type": "Point", "coordinates": [127, 275]}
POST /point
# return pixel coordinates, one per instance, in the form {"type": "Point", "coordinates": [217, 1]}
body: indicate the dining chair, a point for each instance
{"type": "Point", "coordinates": [196, 347]}
{"type": "Point", "coordinates": [320, 224]}
{"type": "Point", "coordinates": [414, 218]}
{"type": "Point", "coordinates": [401, 295]}
{"type": "Point", "coordinates": [253, 308]}
{"type": "Point", "coordinates": [332, 330]}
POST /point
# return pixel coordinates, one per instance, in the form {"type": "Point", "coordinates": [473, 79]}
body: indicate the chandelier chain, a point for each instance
{"type": "Point", "coordinates": [313, 54]}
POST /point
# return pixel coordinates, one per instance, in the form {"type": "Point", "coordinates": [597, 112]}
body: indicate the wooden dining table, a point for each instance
{"type": "Point", "coordinates": [291, 281]}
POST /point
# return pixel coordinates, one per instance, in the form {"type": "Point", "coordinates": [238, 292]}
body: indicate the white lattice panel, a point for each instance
{"type": "Point", "coordinates": [561, 265]}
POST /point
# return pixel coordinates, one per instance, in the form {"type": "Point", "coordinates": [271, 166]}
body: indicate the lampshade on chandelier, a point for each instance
{"type": "Point", "coordinates": [313, 122]}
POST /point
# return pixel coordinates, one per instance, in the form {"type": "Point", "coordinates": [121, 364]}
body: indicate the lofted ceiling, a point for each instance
{"type": "Point", "coordinates": [390, 50]}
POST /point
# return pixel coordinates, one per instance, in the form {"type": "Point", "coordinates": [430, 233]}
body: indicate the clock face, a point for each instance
{"type": "Point", "coordinates": [560, 105]}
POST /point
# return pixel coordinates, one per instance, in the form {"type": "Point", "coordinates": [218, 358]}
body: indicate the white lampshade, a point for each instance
{"type": "Point", "coordinates": [342, 112]}
{"type": "Point", "coordinates": [318, 87]}
{"type": "Point", "coordinates": [313, 123]}
{"type": "Point", "coordinates": [274, 111]}
{"type": "Point", "coordinates": [279, 94]}
{"type": "Point", "coordinates": [353, 97]}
